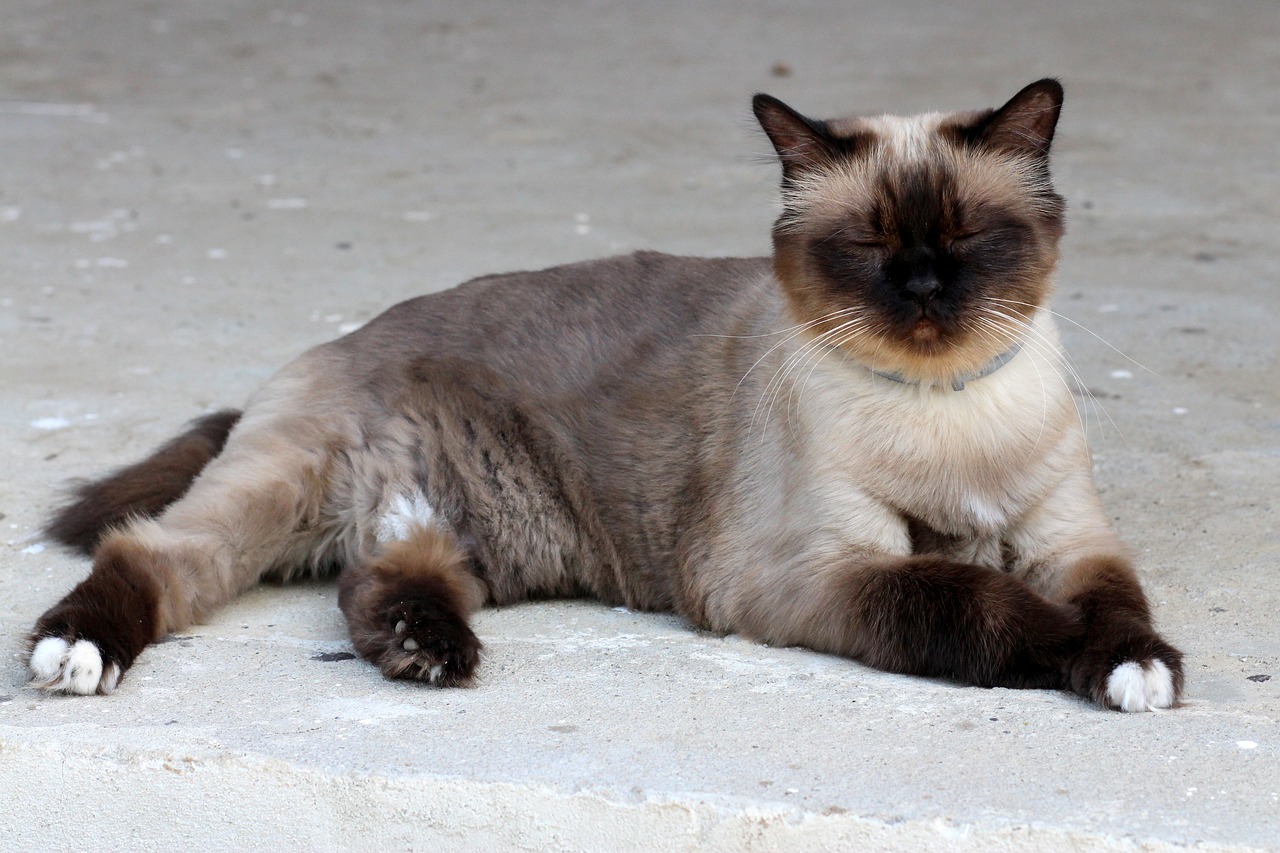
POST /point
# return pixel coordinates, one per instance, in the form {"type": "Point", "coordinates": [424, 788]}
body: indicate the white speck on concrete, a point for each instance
{"type": "Point", "coordinates": [332, 318]}
{"type": "Point", "coordinates": [10, 214]}
{"type": "Point", "coordinates": [234, 153]}
{"type": "Point", "coordinates": [348, 328]}
{"type": "Point", "coordinates": [51, 423]}
{"type": "Point", "coordinates": [112, 263]}
{"type": "Point", "coordinates": [49, 110]}
{"type": "Point", "coordinates": [1108, 309]}
{"type": "Point", "coordinates": [39, 548]}
{"type": "Point", "coordinates": [217, 254]}
{"type": "Point", "coordinates": [286, 203]}
{"type": "Point", "coordinates": [163, 239]}
{"type": "Point", "coordinates": [1247, 744]}
{"type": "Point", "coordinates": [97, 230]}
{"type": "Point", "coordinates": [418, 216]}
{"type": "Point", "coordinates": [1121, 374]}
{"type": "Point", "coordinates": [1179, 410]}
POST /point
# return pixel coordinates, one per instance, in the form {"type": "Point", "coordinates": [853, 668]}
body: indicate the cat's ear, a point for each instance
{"type": "Point", "coordinates": [1026, 123]}
{"type": "Point", "coordinates": [801, 143]}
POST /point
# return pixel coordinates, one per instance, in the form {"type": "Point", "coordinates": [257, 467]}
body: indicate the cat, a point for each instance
{"type": "Point", "coordinates": [865, 445]}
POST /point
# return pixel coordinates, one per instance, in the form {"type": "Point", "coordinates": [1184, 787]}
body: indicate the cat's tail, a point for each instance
{"type": "Point", "coordinates": [143, 489]}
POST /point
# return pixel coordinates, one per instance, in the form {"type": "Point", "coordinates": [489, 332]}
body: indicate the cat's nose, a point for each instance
{"type": "Point", "coordinates": [922, 288]}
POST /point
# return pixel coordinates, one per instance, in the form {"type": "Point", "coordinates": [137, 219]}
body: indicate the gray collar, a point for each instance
{"type": "Point", "coordinates": [957, 384]}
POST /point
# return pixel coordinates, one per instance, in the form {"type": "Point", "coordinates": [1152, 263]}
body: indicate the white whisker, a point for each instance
{"type": "Point", "coordinates": [791, 365]}
{"type": "Point", "coordinates": [798, 329]}
{"type": "Point", "coordinates": [1081, 326]}
{"type": "Point", "coordinates": [1035, 337]}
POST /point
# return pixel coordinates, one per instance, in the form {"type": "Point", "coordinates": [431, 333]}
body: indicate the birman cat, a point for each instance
{"type": "Point", "coordinates": [865, 444]}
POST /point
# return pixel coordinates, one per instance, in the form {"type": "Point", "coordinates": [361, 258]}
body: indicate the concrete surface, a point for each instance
{"type": "Point", "coordinates": [193, 192]}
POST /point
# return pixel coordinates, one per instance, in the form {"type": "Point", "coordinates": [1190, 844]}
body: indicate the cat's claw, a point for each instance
{"type": "Point", "coordinates": [58, 666]}
{"type": "Point", "coordinates": [1133, 686]}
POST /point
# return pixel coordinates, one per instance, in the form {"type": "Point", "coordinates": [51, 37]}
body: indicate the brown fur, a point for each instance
{"type": "Point", "coordinates": [715, 437]}
{"type": "Point", "coordinates": [143, 489]}
{"type": "Point", "coordinates": [115, 607]}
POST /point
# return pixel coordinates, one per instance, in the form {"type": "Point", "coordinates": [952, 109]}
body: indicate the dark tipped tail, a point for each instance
{"type": "Point", "coordinates": [144, 488]}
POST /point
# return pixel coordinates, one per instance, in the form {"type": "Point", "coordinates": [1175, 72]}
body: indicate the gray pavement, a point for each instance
{"type": "Point", "coordinates": [191, 193]}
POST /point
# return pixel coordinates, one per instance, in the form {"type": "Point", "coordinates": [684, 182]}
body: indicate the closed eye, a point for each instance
{"type": "Point", "coordinates": [866, 240]}
{"type": "Point", "coordinates": [967, 242]}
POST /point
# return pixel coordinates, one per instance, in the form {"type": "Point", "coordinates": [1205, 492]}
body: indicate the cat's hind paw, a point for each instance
{"type": "Point", "coordinates": [426, 643]}
{"type": "Point", "coordinates": [59, 666]}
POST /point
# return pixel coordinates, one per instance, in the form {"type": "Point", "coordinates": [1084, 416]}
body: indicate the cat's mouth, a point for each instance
{"type": "Point", "coordinates": [925, 327]}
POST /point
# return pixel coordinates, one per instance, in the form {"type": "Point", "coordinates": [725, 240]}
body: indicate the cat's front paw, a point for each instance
{"type": "Point", "coordinates": [426, 642]}
{"type": "Point", "coordinates": [76, 666]}
{"type": "Point", "coordinates": [1140, 672]}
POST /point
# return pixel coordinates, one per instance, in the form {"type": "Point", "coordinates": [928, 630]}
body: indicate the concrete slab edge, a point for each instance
{"type": "Point", "coordinates": [165, 800]}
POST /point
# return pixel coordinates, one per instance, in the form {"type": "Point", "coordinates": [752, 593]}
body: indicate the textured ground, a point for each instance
{"type": "Point", "coordinates": [193, 192]}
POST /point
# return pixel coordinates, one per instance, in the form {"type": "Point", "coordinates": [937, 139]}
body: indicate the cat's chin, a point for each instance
{"type": "Point", "coordinates": [927, 335]}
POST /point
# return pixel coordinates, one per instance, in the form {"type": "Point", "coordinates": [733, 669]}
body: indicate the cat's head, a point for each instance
{"type": "Point", "coordinates": [920, 245]}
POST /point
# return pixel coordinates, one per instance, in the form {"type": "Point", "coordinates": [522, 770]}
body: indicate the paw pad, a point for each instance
{"type": "Point", "coordinates": [426, 642]}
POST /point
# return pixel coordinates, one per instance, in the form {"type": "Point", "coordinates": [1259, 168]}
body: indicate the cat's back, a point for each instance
{"type": "Point", "coordinates": [555, 330]}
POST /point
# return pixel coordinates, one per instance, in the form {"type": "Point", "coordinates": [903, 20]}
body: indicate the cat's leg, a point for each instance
{"type": "Point", "coordinates": [407, 604]}
{"type": "Point", "coordinates": [255, 508]}
{"type": "Point", "coordinates": [1066, 550]}
{"type": "Point", "coordinates": [1124, 663]}
{"type": "Point", "coordinates": [913, 614]}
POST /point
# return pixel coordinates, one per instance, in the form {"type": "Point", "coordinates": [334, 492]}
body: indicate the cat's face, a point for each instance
{"type": "Point", "coordinates": [919, 245]}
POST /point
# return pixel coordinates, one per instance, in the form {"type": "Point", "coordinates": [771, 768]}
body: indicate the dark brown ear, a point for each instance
{"type": "Point", "coordinates": [802, 143]}
{"type": "Point", "coordinates": [1025, 125]}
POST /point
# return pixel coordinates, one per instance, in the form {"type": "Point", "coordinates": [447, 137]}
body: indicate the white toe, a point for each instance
{"type": "Point", "coordinates": [1159, 685]}
{"type": "Point", "coordinates": [47, 658]}
{"type": "Point", "coordinates": [1133, 687]}
{"type": "Point", "coordinates": [110, 678]}
{"type": "Point", "coordinates": [59, 667]}
{"type": "Point", "coordinates": [83, 669]}
{"type": "Point", "coordinates": [1126, 688]}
